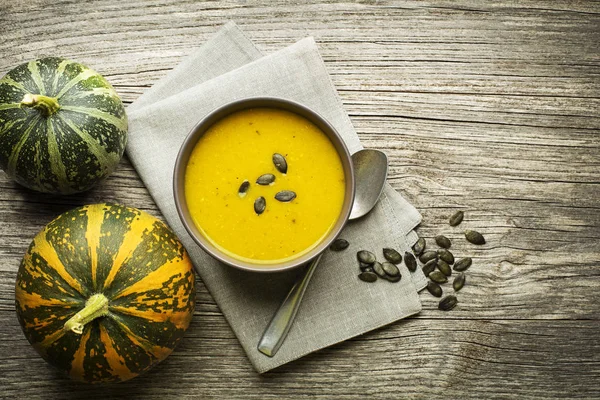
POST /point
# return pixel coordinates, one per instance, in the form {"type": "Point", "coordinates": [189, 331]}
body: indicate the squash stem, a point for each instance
{"type": "Point", "coordinates": [96, 306]}
{"type": "Point", "coordinates": [44, 104]}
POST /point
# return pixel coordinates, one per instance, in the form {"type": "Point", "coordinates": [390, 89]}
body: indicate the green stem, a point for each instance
{"type": "Point", "coordinates": [46, 105]}
{"type": "Point", "coordinates": [96, 306]}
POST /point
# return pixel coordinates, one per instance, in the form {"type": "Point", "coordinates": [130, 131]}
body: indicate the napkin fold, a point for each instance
{"type": "Point", "coordinates": [337, 305]}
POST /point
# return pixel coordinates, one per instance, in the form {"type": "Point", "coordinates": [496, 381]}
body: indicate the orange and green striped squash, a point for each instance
{"type": "Point", "coordinates": [105, 292]}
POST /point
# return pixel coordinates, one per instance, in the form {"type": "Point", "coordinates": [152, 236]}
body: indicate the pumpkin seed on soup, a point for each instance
{"type": "Point", "coordinates": [463, 264]}
{"type": "Point", "coordinates": [285, 196]}
{"type": "Point", "coordinates": [392, 256]}
{"type": "Point", "coordinates": [259, 205]}
{"type": "Point", "coordinates": [456, 218]}
{"type": "Point", "coordinates": [448, 303]}
{"type": "Point", "coordinates": [363, 266]}
{"type": "Point", "coordinates": [434, 289]}
{"type": "Point", "coordinates": [280, 163]}
{"type": "Point", "coordinates": [266, 179]}
{"type": "Point", "coordinates": [339, 244]}
{"type": "Point", "coordinates": [419, 246]}
{"type": "Point", "coordinates": [446, 256]}
{"type": "Point", "coordinates": [438, 277]}
{"type": "Point", "coordinates": [427, 256]}
{"type": "Point", "coordinates": [244, 188]}
{"type": "Point", "coordinates": [366, 257]}
{"type": "Point", "coordinates": [459, 282]}
{"type": "Point", "coordinates": [429, 267]}
{"type": "Point", "coordinates": [367, 276]}
{"type": "Point", "coordinates": [410, 261]}
{"type": "Point", "coordinates": [474, 237]}
{"type": "Point", "coordinates": [443, 241]}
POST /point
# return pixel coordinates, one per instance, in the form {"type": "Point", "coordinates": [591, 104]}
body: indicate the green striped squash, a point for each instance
{"type": "Point", "coordinates": [105, 292]}
{"type": "Point", "coordinates": [63, 128]}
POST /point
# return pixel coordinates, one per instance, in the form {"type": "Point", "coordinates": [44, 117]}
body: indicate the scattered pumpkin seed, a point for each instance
{"type": "Point", "coordinates": [444, 267]}
{"type": "Point", "coordinates": [280, 163]}
{"type": "Point", "coordinates": [448, 303]}
{"type": "Point", "coordinates": [366, 257]}
{"type": "Point", "coordinates": [410, 261]}
{"type": "Point", "coordinates": [394, 278]}
{"type": "Point", "coordinates": [392, 256]}
{"type": "Point", "coordinates": [339, 244]}
{"type": "Point", "coordinates": [285, 195]}
{"type": "Point", "coordinates": [434, 289]}
{"type": "Point", "coordinates": [456, 218]}
{"type": "Point", "coordinates": [438, 277]}
{"type": "Point", "coordinates": [463, 264]}
{"type": "Point", "coordinates": [428, 255]}
{"type": "Point", "coordinates": [378, 269]}
{"type": "Point", "coordinates": [259, 205]}
{"type": "Point", "coordinates": [446, 256]}
{"type": "Point", "coordinates": [364, 267]}
{"type": "Point", "coordinates": [244, 188]}
{"type": "Point", "coordinates": [419, 247]}
{"type": "Point", "coordinates": [266, 179]}
{"type": "Point", "coordinates": [429, 267]}
{"type": "Point", "coordinates": [458, 282]}
{"type": "Point", "coordinates": [474, 237]}
{"type": "Point", "coordinates": [390, 269]}
{"type": "Point", "coordinates": [367, 276]}
{"type": "Point", "coordinates": [443, 241]}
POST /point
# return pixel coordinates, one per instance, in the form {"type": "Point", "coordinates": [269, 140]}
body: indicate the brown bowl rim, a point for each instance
{"type": "Point", "coordinates": [254, 102]}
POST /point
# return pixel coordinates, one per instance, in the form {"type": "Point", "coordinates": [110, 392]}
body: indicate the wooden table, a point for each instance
{"type": "Point", "coordinates": [488, 108]}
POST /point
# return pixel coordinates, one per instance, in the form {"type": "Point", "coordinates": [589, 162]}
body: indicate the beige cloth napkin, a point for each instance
{"type": "Point", "coordinates": [337, 305]}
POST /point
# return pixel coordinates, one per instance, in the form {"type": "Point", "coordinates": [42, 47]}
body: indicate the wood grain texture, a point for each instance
{"type": "Point", "coordinates": [488, 108]}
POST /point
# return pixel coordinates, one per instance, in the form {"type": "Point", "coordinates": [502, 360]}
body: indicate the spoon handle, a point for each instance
{"type": "Point", "coordinates": [280, 325]}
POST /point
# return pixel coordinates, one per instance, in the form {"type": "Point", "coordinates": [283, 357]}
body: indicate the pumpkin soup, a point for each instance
{"type": "Point", "coordinates": [264, 185]}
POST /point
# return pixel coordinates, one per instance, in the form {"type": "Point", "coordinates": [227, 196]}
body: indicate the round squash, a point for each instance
{"type": "Point", "coordinates": [63, 128]}
{"type": "Point", "coordinates": [105, 292]}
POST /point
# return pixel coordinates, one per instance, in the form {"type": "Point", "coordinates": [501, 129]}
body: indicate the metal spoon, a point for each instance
{"type": "Point", "coordinates": [370, 172]}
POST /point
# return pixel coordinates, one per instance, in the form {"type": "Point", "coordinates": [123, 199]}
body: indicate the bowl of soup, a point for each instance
{"type": "Point", "coordinates": [263, 184]}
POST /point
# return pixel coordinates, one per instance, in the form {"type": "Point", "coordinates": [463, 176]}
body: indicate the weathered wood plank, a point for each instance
{"type": "Point", "coordinates": [490, 108]}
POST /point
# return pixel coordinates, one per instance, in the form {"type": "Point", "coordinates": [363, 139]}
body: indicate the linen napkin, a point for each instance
{"type": "Point", "coordinates": [337, 305]}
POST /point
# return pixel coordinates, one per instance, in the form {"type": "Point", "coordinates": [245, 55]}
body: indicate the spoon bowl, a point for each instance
{"type": "Point", "coordinates": [370, 173]}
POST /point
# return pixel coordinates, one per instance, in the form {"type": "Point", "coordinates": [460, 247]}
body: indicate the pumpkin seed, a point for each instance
{"type": "Point", "coordinates": [394, 278]}
{"type": "Point", "coordinates": [444, 267]}
{"type": "Point", "coordinates": [378, 269]}
{"type": "Point", "coordinates": [369, 269]}
{"type": "Point", "coordinates": [429, 267]}
{"type": "Point", "coordinates": [366, 257]}
{"type": "Point", "coordinates": [392, 256]}
{"type": "Point", "coordinates": [285, 195]}
{"type": "Point", "coordinates": [363, 267]}
{"type": "Point", "coordinates": [438, 277]}
{"type": "Point", "coordinates": [266, 179]}
{"type": "Point", "coordinates": [446, 256]}
{"type": "Point", "coordinates": [339, 245]}
{"type": "Point", "coordinates": [410, 261]}
{"type": "Point", "coordinates": [463, 264]}
{"type": "Point", "coordinates": [367, 276]}
{"type": "Point", "coordinates": [459, 282]}
{"type": "Point", "coordinates": [419, 246]}
{"type": "Point", "coordinates": [448, 303]}
{"type": "Point", "coordinates": [390, 269]}
{"type": "Point", "coordinates": [259, 205]}
{"type": "Point", "coordinates": [428, 255]}
{"type": "Point", "coordinates": [443, 241]}
{"type": "Point", "coordinates": [474, 237]}
{"type": "Point", "coordinates": [244, 188]}
{"type": "Point", "coordinates": [456, 218]}
{"type": "Point", "coordinates": [434, 289]}
{"type": "Point", "coordinates": [280, 163]}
